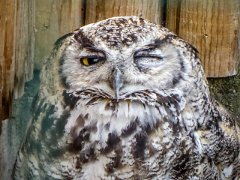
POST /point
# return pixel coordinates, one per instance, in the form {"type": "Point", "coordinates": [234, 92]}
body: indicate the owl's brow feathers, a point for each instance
{"type": "Point", "coordinates": [115, 33]}
{"type": "Point", "coordinates": [86, 42]}
{"type": "Point", "coordinates": [83, 39]}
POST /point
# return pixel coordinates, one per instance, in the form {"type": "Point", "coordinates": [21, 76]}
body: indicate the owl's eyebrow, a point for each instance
{"type": "Point", "coordinates": [83, 40]}
{"type": "Point", "coordinates": [94, 49]}
{"type": "Point", "coordinates": [147, 48]}
{"type": "Point", "coordinates": [86, 42]}
{"type": "Point", "coordinates": [155, 44]}
{"type": "Point", "coordinates": [151, 46]}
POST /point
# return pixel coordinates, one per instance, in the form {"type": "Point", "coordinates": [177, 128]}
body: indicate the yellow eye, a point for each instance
{"type": "Point", "coordinates": [88, 61]}
{"type": "Point", "coordinates": [85, 61]}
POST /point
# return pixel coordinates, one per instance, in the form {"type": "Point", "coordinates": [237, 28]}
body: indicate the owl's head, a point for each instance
{"type": "Point", "coordinates": [121, 76]}
{"type": "Point", "coordinates": [124, 55]}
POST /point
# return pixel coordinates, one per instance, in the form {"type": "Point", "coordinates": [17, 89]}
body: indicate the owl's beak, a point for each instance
{"type": "Point", "coordinates": [117, 82]}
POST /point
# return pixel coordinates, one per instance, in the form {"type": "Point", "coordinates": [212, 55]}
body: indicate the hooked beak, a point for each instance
{"type": "Point", "coordinates": [117, 82]}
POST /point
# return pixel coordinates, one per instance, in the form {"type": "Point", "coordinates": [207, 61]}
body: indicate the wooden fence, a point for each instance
{"type": "Point", "coordinates": [29, 28]}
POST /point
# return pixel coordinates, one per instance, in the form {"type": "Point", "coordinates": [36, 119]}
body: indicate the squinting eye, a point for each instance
{"type": "Point", "coordinates": [88, 61]}
{"type": "Point", "coordinates": [145, 62]}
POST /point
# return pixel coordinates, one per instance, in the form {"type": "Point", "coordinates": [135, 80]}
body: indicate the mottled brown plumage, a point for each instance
{"type": "Point", "coordinates": [127, 99]}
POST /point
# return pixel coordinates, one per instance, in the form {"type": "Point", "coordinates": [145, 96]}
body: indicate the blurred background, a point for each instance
{"type": "Point", "coordinates": [28, 30]}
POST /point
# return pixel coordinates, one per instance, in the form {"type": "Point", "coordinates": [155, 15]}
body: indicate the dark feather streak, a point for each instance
{"type": "Point", "coordinates": [80, 139]}
{"type": "Point", "coordinates": [140, 145]}
{"type": "Point", "coordinates": [113, 140]}
{"type": "Point", "coordinates": [83, 40]}
{"type": "Point", "coordinates": [130, 128]}
{"type": "Point", "coordinates": [115, 161]}
{"type": "Point", "coordinates": [88, 154]}
{"type": "Point", "coordinates": [70, 99]}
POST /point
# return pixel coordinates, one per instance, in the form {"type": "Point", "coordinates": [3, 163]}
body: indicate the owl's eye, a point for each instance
{"type": "Point", "coordinates": [149, 54]}
{"type": "Point", "coordinates": [88, 61]}
{"type": "Point", "coordinates": [147, 60]}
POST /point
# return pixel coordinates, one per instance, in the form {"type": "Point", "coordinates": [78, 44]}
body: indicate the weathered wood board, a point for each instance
{"type": "Point", "coordinates": [97, 10]}
{"type": "Point", "coordinates": [54, 19]}
{"type": "Point", "coordinates": [213, 27]}
{"type": "Point", "coordinates": [16, 50]}
{"type": "Point", "coordinates": [6, 56]}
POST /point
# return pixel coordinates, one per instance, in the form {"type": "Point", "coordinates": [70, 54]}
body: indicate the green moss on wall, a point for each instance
{"type": "Point", "coordinates": [227, 91]}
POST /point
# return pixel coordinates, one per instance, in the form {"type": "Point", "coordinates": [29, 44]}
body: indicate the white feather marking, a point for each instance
{"type": "Point", "coordinates": [198, 142]}
{"type": "Point", "coordinates": [95, 169]}
{"type": "Point", "coordinates": [227, 172]}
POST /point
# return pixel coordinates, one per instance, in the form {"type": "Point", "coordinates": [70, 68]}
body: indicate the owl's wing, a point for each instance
{"type": "Point", "coordinates": [231, 129]}
{"type": "Point", "coordinates": [45, 141]}
{"type": "Point", "coordinates": [229, 125]}
{"type": "Point", "coordinates": [224, 139]}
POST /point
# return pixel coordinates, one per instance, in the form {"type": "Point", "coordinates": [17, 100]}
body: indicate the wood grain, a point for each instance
{"type": "Point", "coordinates": [97, 10]}
{"type": "Point", "coordinates": [54, 19]}
{"type": "Point", "coordinates": [7, 65]}
{"type": "Point", "coordinates": [213, 28]}
{"type": "Point", "coordinates": [16, 51]}
{"type": "Point", "coordinates": [23, 45]}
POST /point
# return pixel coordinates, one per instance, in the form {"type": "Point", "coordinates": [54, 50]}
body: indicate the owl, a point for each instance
{"type": "Point", "coordinates": [125, 98]}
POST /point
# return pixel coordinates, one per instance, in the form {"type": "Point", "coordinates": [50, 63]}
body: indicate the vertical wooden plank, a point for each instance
{"type": "Point", "coordinates": [16, 51]}
{"type": "Point", "coordinates": [7, 15]}
{"type": "Point", "coordinates": [54, 19]}
{"type": "Point", "coordinates": [213, 28]}
{"type": "Point", "coordinates": [23, 45]}
{"type": "Point", "coordinates": [172, 15]}
{"type": "Point", "coordinates": [97, 10]}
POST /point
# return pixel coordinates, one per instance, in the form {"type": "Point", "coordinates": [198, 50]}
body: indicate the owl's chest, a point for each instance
{"type": "Point", "coordinates": [139, 156]}
{"type": "Point", "coordinates": [128, 142]}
